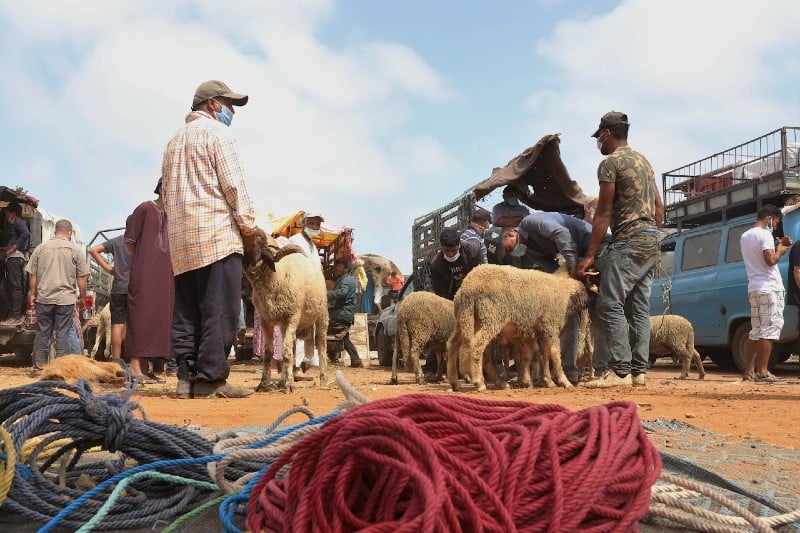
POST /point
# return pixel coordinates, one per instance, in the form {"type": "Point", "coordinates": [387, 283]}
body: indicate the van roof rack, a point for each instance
{"type": "Point", "coordinates": [734, 182]}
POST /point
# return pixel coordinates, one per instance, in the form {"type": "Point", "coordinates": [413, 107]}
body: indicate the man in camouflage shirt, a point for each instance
{"type": "Point", "coordinates": [629, 202]}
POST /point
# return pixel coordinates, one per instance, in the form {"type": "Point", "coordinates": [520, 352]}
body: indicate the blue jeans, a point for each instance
{"type": "Point", "coordinates": [622, 312]}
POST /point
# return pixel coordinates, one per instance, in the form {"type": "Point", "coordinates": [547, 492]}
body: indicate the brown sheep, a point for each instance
{"type": "Point", "coordinates": [424, 321]}
{"type": "Point", "coordinates": [673, 334]}
{"type": "Point", "coordinates": [289, 292]}
{"type": "Point", "coordinates": [70, 368]}
{"type": "Point", "coordinates": [511, 303]}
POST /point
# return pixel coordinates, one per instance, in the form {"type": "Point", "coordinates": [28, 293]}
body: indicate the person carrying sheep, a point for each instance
{"type": "Point", "coordinates": [630, 204]}
{"type": "Point", "coordinates": [210, 223]}
{"type": "Point", "coordinates": [764, 290]}
{"type": "Point", "coordinates": [341, 308]}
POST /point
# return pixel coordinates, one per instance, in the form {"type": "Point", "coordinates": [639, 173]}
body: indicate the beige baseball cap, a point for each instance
{"type": "Point", "coordinates": [214, 88]}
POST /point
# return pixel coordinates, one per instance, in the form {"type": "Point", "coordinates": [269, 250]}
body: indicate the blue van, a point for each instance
{"type": "Point", "coordinates": [708, 205]}
{"type": "Point", "coordinates": [702, 278]}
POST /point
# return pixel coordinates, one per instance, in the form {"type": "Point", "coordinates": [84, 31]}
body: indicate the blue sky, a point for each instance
{"type": "Point", "coordinates": [377, 112]}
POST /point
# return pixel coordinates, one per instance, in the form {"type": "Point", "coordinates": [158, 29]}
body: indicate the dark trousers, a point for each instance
{"type": "Point", "coordinates": [14, 278]}
{"type": "Point", "coordinates": [51, 318]}
{"type": "Point", "coordinates": [205, 318]}
{"type": "Point", "coordinates": [336, 327]}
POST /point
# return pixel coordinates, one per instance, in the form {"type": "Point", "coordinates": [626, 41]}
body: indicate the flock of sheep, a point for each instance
{"type": "Point", "coordinates": [526, 309]}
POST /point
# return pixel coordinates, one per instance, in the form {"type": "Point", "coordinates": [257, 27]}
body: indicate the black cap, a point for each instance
{"type": "Point", "coordinates": [481, 215]}
{"type": "Point", "coordinates": [612, 118]}
{"type": "Point", "coordinates": [157, 190]}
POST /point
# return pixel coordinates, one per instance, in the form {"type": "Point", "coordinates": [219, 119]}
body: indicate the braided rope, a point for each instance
{"type": "Point", "coordinates": [7, 468]}
{"type": "Point", "coordinates": [664, 503]}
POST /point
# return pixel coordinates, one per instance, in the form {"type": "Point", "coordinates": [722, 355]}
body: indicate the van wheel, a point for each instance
{"type": "Point", "coordinates": [739, 349]}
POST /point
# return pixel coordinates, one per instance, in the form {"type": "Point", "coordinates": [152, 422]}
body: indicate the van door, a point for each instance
{"type": "Point", "coordinates": [695, 274]}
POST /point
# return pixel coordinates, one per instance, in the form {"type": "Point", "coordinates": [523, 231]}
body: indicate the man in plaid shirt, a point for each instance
{"type": "Point", "coordinates": [209, 212]}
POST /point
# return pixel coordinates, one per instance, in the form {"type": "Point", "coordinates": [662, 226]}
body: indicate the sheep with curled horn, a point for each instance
{"type": "Point", "coordinates": [289, 292]}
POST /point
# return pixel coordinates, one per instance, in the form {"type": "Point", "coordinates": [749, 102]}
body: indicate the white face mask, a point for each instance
{"type": "Point", "coordinates": [452, 259]}
{"type": "Point", "coordinates": [312, 232]}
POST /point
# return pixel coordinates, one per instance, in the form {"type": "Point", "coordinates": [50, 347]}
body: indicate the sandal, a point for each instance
{"type": "Point", "coordinates": [143, 379]}
{"type": "Point", "coordinates": [155, 378]}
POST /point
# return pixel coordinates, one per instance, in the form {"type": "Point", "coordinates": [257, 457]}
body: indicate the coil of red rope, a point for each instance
{"type": "Point", "coordinates": [432, 463]}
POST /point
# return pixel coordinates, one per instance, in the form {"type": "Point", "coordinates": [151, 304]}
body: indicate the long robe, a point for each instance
{"type": "Point", "coordinates": [151, 288]}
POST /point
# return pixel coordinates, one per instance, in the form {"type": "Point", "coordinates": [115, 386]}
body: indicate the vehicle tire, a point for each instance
{"type": "Point", "coordinates": [384, 346]}
{"type": "Point", "coordinates": [23, 352]}
{"type": "Point", "coordinates": [739, 349]}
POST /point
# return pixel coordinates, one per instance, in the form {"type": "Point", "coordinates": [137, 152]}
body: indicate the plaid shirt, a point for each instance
{"type": "Point", "coordinates": [204, 194]}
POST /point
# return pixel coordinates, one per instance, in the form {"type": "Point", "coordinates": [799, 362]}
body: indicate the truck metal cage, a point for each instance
{"type": "Point", "coordinates": [734, 182]}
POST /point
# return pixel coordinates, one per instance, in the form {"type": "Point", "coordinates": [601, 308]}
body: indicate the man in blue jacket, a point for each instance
{"type": "Point", "coordinates": [341, 307]}
{"type": "Point", "coordinates": [14, 252]}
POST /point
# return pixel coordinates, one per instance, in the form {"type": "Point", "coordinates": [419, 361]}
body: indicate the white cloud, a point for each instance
{"type": "Point", "coordinates": [695, 77]}
{"type": "Point", "coordinates": [317, 129]}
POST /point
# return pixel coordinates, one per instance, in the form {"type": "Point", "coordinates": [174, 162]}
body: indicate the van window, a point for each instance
{"type": "Point", "coordinates": [733, 249]}
{"type": "Point", "coordinates": [701, 250]}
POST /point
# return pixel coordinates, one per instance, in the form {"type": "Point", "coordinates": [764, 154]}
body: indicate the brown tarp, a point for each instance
{"type": "Point", "coordinates": [540, 175]}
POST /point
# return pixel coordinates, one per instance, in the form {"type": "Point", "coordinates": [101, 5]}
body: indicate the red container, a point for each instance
{"type": "Point", "coordinates": [88, 307]}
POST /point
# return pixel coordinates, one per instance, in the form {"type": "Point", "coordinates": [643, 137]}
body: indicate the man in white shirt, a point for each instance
{"type": "Point", "coordinates": [311, 228]}
{"type": "Point", "coordinates": [764, 290]}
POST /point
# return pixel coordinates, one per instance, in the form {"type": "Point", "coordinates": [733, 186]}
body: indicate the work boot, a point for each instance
{"type": "Point", "coordinates": [609, 379]}
{"type": "Point", "coordinates": [184, 389]}
{"type": "Point", "coordinates": [219, 389]}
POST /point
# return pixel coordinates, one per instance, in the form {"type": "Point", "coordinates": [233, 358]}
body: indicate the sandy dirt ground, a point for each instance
{"type": "Point", "coordinates": [721, 403]}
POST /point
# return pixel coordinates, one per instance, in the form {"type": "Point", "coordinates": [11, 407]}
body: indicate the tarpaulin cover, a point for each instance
{"type": "Point", "coordinates": [540, 175]}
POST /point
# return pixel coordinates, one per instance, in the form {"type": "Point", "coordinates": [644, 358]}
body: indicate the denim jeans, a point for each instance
{"type": "Point", "coordinates": [51, 319]}
{"type": "Point", "coordinates": [570, 348]}
{"type": "Point", "coordinates": [622, 311]}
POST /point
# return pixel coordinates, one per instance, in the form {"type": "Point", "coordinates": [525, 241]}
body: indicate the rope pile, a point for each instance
{"type": "Point", "coordinates": [66, 421]}
{"type": "Point", "coordinates": [453, 463]}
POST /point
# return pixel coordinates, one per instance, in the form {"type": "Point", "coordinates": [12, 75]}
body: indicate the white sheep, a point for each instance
{"type": "Point", "coordinates": [424, 321]}
{"type": "Point", "coordinates": [511, 303]}
{"type": "Point", "coordinates": [673, 334]}
{"type": "Point", "coordinates": [103, 323]}
{"type": "Point", "coordinates": [291, 294]}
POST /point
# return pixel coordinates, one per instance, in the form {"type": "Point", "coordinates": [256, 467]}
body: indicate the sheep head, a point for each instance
{"type": "Point", "coordinates": [259, 249]}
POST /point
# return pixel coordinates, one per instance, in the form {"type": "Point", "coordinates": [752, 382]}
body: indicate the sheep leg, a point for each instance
{"type": "Point", "coordinates": [440, 362]}
{"type": "Point", "coordinates": [98, 333]}
{"type": "Point", "coordinates": [413, 352]}
{"type": "Point", "coordinates": [475, 352]}
{"type": "Point", "coordinates": [491, 371]}
{"type": "Point", "coordinates": [698, 361]}
{"type": "Point", "coordinates": [523, 363]}
{"type": "Point", "coordinates": [321, 341]}
{"type": "Point", "coordinates": [552, 357]}
{"type": "Point", "coordinates": [453, 357]}
{"type": "Point", "coordinates": [287, 370]}
{"type": "Point", "coordinates": [266, 375]}
{"type": "Point", "coordinates": [401, 349]}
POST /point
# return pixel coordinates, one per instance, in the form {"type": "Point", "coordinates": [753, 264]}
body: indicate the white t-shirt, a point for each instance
{"type": "Point", "coordinates": [760, 276]}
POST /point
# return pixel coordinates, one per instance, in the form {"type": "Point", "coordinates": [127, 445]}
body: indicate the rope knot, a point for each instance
{"type": "Point", "coordinates": [110, 413]}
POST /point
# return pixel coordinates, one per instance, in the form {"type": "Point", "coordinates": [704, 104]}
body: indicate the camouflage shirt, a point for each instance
{"type": "Point", "coordinates": [633, 211]}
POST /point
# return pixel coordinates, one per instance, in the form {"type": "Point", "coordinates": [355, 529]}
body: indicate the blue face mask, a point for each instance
{"type": "Point", "coordinates": [225, 115]}
{"type": "Point", "coordinates": [513, 201]}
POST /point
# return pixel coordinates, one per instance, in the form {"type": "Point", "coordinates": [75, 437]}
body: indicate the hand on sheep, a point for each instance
{"type": "Point", "coordinates": [258, 245]}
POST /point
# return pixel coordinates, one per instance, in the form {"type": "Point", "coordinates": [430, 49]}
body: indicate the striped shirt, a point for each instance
{"type": "Point", "coordinates": [205, 196]}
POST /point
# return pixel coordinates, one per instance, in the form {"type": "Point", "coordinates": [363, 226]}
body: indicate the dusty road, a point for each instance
{"type": "Point", "coordinates": [721, 403]}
